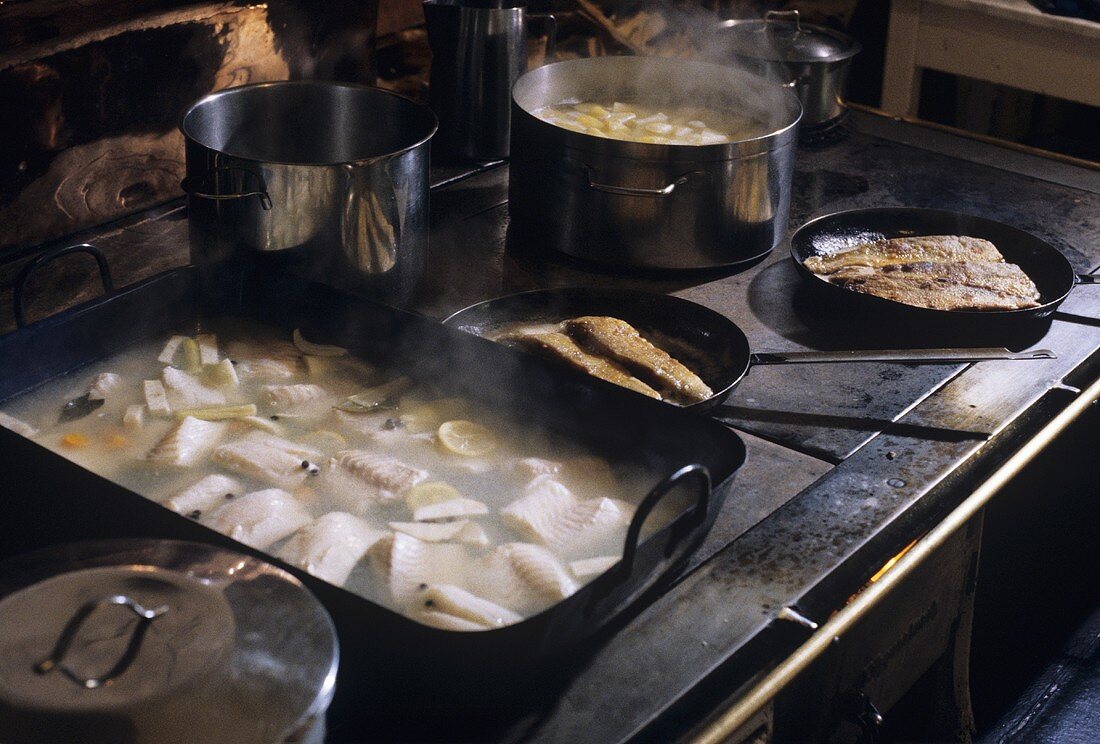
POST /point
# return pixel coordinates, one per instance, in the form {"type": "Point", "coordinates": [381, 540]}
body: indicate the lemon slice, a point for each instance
{"type": "Point", "coordinates": [466, 438]}
{"type": "Point", "coordinates": [432, 492]}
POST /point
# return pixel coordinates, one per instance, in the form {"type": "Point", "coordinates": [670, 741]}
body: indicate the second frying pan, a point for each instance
{"type": "Point", "coordinates": [710, 344]}
{"type": "Point", "coordinates": [1045, 264]}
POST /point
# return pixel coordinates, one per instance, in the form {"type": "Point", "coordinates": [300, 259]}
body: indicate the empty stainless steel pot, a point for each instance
{"type": "Point", "coordinates": [812, 60]}
{"type": "Point", "coordinates": [329, 178]}
{"type": "Point", "coordinates": [651, 206]}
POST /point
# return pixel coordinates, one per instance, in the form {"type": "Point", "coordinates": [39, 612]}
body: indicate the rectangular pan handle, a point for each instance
{"type": "Point", "coordinates": [906, 356]}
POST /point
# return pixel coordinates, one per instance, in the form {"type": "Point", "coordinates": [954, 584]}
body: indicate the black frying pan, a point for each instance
{"type": "Point", "coordinates": [1045, 264]}
{"type": "Point", "coordinates": [708, 343]}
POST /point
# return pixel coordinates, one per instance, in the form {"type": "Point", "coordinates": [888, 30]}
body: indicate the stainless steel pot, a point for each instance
{"type": "Point", "coordinates": [329, 178]}
{"type": "Point", "coordinates": [651, 206]}
{"type": "Point", "coordinates": [812, 60]}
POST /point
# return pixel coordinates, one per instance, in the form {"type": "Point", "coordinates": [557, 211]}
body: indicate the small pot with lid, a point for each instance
{"type": "Point", "coordinates": [812, 60]}
{"type": "Point", "coordinates": [160, 641]}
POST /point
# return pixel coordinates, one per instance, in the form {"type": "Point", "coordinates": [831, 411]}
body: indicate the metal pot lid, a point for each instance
{"type": "Point", "coordinates": [782, 37]}
{"type": "Point", "coordinates": [156, 640]}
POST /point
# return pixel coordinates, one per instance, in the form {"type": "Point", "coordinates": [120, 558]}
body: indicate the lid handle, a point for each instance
{"type": "Point", "coordinates": [68, 634]}
{"type": "Point", "coordinates": [784, 15]}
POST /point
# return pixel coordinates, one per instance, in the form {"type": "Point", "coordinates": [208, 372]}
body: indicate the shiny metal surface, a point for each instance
{"type": "Point", "coordinates": [233, 649]}
{"type": "Point", "coordinates": [332, 177]}
{"type": "Point", "coordinates": [651, 206]}
{"type": "Point", "coordinates": [812, 60]}
{"type": "Point", "coordinates": [908, 356]}
{"type": "Point", "coordinates": [92, 94]}
{"type": "Point", "coordinates": [479, 50]}
{"type": "Point", "coordinates": [862, 604]}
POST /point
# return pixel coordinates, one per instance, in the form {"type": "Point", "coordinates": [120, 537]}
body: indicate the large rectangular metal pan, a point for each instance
{"type": "Point", "coordinates": [392, 666]}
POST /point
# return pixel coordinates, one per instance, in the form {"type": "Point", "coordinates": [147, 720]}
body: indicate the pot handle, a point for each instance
{"type": "Point", "coordinates": [196, 186]}
{"type": "Point", "coordinates": [784, 15]}
{"type": "Point", "coordinates": [624, 569]}
{"type": "Point", "coordinates": [19, 301]}
{"type": "Point", "coordinates": [551, 24]}
{"type": "Point", "coordinates": [1086, 279]}
{"type": "Point", "coordinates": [632, 191]}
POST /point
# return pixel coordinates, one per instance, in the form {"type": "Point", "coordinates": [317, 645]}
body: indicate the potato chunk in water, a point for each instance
{"type": "Point", "coordinates": [673, 125]}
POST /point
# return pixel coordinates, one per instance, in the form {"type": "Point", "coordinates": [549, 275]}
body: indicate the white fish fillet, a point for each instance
{"type": "Point", "coordinates": [268, 458]}
{"type": "Point", "coordinates": [330, 546]}
{"type": "Point", "coordinates": [134, 418]}
{"type": "Point", "coordinates": [208, 349]}
{"type": "Point", "coordinates": [374, 428]}
{"type": "Point", "coordinates": [463, 531]}
{"type": "Point", "coordinates": [22, 428]}
{"type": "Point", "coordinates": [103, 384]}
{"type": "Point", "coordinates": [187, 391]}
{"type": "Point", "coordinates": [278, 360]}
{"type": "Point", "coordinates": [530, 467]}
{"type": "Point", "coordinates": [156, 398]}
{"type": "Point", "coordinates": [302, 399]}
{"type": "Point", "coordinates": [526, 577]}
{"type": "Point", "coordinates": [443, 621]}
{"type": "Point", "coordinates": [260, 518]}
{"type": "Point", "coordinates": [552, 515]}
{"type": "Point", "coordinates": [168, 354]}
{"type": "Point", "coordinates": [449, 509]}
{"type": "Point", "coordinates": [457, 602]}
{"type": "Point", "coordinates": [387, 476]}
{"type": "Point", "coordinates": [190, 441]}
{"type": "Point", "coordinates": [208, 493]}
{"type": "Point", "coordinates": [409, 565]}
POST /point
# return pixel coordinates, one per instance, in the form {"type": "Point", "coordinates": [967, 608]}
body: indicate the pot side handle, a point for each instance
{"type": "Point", "coordinates": [19, 300]}
{"type": "Point", "coordinates": [197, 187]}
{"type": "Point", "coordinates": [632, 191]}
{"type": "Point", "coordinates": [624, 569]}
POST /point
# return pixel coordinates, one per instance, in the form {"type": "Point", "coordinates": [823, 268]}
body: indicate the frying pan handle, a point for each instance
{"type": "Point", "coordinates": [18, 299]}
{"type": "Point", "coordinates": [624, 569]}
{"type": "Point", "coordinates": [631, 191]}
{"type": "Point", "coordinates": [1086, 279]}
{"type": "Point", "coordinates": [907, 356]}
{"type": "Point", "coordinates": [198, 187]}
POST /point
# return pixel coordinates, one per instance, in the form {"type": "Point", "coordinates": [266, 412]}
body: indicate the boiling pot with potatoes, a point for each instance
{"type": "Point", "coordinates": [651, 163]}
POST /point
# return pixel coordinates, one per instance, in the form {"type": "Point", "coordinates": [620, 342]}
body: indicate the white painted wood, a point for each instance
{"type": "Point", "coordinates": [1008, 42]}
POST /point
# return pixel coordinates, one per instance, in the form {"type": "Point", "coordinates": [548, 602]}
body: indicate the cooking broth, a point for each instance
{"type": "Point", "coordinates": [664, 125]}
{"type": "Point", "coordinates": [453, 516]}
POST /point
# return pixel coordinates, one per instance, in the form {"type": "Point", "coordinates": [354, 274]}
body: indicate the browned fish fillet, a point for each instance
{"type": "Point", "coordinates": [931, 248]}
{"type": "Point", "coordinates": [946, 286]}
{"type": "Point", "coordinates": [561, 347]}
{"type": "Point", "coordinates": [619, 341]}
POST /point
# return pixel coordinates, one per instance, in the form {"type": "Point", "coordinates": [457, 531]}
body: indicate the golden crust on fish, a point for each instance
{"type": "Point", "coordinates": [940, 272]}
{"type": "Point", "coordinates": [564, 349]}
{"type": "Point", "coordinates": [895, 251]}
{"type": "Point", "coordinates": [621, 342]}
{"type": "Point", "coordinates": [940, 286]}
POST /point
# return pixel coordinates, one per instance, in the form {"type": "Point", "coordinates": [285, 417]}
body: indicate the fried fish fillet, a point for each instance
{"type": "Point", "coordinates": [945, 286]}
{"type": "Point", "coordinates": [896, 251]}
{"type": "Point", "coordinates": [561, 347]}
{"type": "Point", "coordinates": [621, 342]}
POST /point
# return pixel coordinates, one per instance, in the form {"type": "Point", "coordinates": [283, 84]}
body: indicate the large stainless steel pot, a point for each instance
{"type": "Point", "coordinates": [330, 178]}
{"type": "Point", "coordinates": [812, 60]}
{"type": "Point", "coordinates": [644, 205]}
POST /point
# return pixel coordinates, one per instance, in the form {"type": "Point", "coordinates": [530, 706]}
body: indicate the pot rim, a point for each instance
{"type": "Point", "coordinates": [311, 84]}
{"type": "Point", "coordinates": [736, 150]}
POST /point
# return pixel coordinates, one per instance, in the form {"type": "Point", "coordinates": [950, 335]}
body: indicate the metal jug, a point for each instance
{"type": "Point", "coordinates": [479, 50]}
